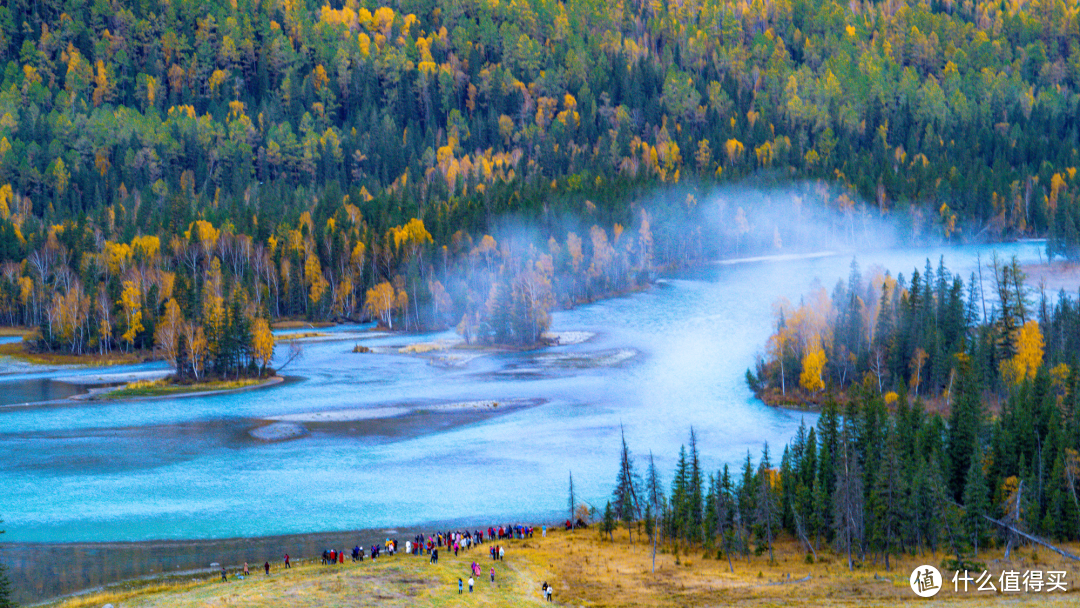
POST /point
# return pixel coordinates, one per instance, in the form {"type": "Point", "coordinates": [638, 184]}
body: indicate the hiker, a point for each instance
{"type": "Point", "coordinates": [549, 590]}
{"type": "Point", "coordinates": [245, 569]}
{"type": "Point", "coordinates": [470, 584]}
{"type": "Point", "coordinates": [355, 553]}
{"type": "Point", "coordinates": [224, 575]}
{"type": "Point", "coordinates": [502, 552]}
{"type": "Point", "coordinates": [266, 566]}
{"type": "Point", "coordinates": [493, 574]}
{"type": "Point", "coordinates": [341, 557]}
{"type": "Point", "coordinates": [459, 586]}
{"type": "Point", "coordinates": [287, 564]}
{"type": "Point", "coordinates": [544, 532]}
{"type": "Point", "coordinates": [435, 555]}
{"type": "Point", "coordinates": [543, 590]}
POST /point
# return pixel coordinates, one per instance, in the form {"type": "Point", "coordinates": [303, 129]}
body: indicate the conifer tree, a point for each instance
{"type": "Point", "coordinates": [767, 514]}
{"type": "Point", "coordinates": [964, 428]}
{"type": "Point", "coordinates": [976, 502]}
{"type": "Point", "coordinates": [625, 498]}
{"type": "Point", "coordinates": [607, 526]}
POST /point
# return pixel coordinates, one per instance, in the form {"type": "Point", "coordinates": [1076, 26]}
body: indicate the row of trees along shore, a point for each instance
{"type": "Point", "coordinates": [873, 480]}
{"type": "Point", "coordinates": [210, 293]}
{"type": "Point", "coordinates": [894, 334]}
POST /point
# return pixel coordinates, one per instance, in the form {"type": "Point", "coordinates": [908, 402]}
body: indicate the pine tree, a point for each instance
{"type": "Point", "coordinates": [887, 498]}
{"type": "Point", "coordinates": [655, 499]}
{"type": "Point", "coordinates": [976, 502]}
{"type": "Point", "coordinates": [767, 513]}
{"type": "Point", "coordinates": [607, 526]}
{"type": "Point", "coordinates": [680, 497]}
{"type": "Point", "coordinates": [725, 509]}
{"type": "Point", "coordinates": [695, 502]}
{"type": "Point", "coordinates": [848, 504]}
{"type": "Point", "coordinates": [964, 428]}
{"type": "Point", "coordinates": [625, 497]}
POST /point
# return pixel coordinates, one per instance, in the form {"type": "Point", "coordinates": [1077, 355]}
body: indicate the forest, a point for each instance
{"type": "Point", "coordinates": [896, 336]}
{"type": "Point", "coordinates": [304, 159]}
{"type": "Point", "coordinates": [873, 481]}
{"type": "Point", "coordinates": [950, 421]}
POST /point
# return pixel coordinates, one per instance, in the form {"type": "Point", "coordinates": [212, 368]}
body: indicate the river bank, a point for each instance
{"type": "Point", "coordinates": [584, 568]}
{"type": "Point", "coordinates": [41, 572]}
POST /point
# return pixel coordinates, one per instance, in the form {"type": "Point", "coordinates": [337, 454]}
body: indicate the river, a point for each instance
{"type": "Point", "coordinates": [659, 362]}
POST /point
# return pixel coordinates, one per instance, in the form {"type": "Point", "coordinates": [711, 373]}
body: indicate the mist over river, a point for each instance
{"type": "Point", "coordinates": [659, 362]}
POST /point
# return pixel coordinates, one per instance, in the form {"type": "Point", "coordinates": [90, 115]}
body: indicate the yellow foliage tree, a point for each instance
{"type": "Point", "coordinates": [1029, 355]}
{"type": "Point", "coordinates": [734, 149]}
{"type": "Point", "coordinates": [379, 303]}
{"type": "Point", "coordinates": [262, 342]}
{"type": "Point", "coordinates": [167, 332]}
{"type": "Point", "coordinates": [813, 364]}
{"type": "Point", "coordinates": [131, 302]}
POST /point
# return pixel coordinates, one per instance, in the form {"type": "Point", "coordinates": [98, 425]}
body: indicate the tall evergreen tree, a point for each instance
{"type": "Point", "coordinates": [964, 428]}
{"type": "Point", "coordinates": [625, 497]}
{"type": "Point", "coordinates": [768, 512]}
{"type": "Point", "coordinates": [976, 502]}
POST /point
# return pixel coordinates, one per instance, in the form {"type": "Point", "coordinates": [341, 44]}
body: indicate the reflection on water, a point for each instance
{"type": "Point", "coordinates": [660, 361]}
{"type": "Point", "coordinates": [36, 390]}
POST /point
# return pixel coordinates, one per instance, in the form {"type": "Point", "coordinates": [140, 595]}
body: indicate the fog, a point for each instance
{"type": "Point", "coordinates": [391, 439]}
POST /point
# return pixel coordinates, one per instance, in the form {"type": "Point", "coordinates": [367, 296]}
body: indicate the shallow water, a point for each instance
{"type": "Point", "coordinates": [661, 361]}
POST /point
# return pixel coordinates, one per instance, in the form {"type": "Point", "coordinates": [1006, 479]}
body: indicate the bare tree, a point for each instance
{"type": "Point", "coordinates": [295, 352]}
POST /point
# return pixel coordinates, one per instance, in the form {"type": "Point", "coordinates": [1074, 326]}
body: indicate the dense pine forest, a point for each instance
{"type": "Point", "coordinates": [872, 481]}
{"type": "Point", "coordinates": [950, 422]}
{"type": "Point", "coordinates": [898, 336]}
{"type": "Point", "coordinates": [176, 167]}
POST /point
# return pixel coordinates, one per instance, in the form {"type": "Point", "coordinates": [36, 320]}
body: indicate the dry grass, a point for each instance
{"type": "Point", "coordinates": [588, 571]}
{"type": "Point", "coordinates": [301, 335]}
{"type": "Point", "coordinates": [620, 574]}
{"type": "Point", "coordinates": [300, 324]}
{"type": "Point", "coordinates": [15, 350]}
{"type": "Point", "coordinates": [19, 332]}
{"type": "Point", "coordinates": [162, 387]}
{"type": "Point", "coordinates": [421, 347]}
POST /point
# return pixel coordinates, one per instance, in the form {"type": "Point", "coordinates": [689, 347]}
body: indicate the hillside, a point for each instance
{"type": "Point", "coordinates": [475, 164]}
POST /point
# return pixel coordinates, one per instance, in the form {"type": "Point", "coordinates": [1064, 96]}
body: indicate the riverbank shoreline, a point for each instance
{"type": "Point", "coordinates": [104, 393]}
{"type": "Point", "coordinates": [45, 573]}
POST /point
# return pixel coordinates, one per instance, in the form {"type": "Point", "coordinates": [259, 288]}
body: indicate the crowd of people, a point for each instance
{"type": "Point", "coordinates": [457, 541]}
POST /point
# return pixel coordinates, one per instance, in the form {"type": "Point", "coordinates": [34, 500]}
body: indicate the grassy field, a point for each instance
{"type": "Point", "coordinates": [585, 570]}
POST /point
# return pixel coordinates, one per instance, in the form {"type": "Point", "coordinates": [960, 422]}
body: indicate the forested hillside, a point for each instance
{"type": "Point", "coordinates": [959, 406]}
{"type": "Point", "coordinates": [295, 142]}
